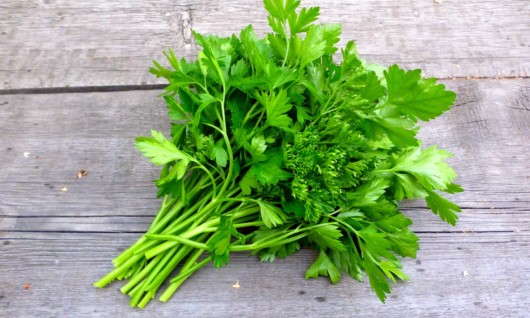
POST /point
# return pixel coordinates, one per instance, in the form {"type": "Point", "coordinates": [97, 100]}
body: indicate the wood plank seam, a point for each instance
{"type": "Point", "coordinates": [82, 89]}
{"type": "Point", "coordinates": [147, 87]}
{"type": "Point", "coordinates": [143, 232]}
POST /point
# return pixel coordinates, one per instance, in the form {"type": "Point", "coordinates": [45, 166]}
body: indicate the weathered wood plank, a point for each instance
{"type": "Point", "coordinates": [60, 269]}
{"type": "Point", "coordinates": [488, 132]}
{"type": "Point", "coordinates": [54, 43]}
{"type": "Point", "coordinates": [471, 220]}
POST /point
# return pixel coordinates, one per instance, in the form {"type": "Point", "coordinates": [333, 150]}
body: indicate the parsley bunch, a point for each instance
{"type": "Point", "coordinates": [274, 147]}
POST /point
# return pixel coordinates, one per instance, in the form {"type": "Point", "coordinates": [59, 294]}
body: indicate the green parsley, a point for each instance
{"type": "Point", "coordinates": [274, 146]}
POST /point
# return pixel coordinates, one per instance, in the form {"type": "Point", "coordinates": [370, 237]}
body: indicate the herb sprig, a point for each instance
{"type": "Point", "coordinates": [274, 146]}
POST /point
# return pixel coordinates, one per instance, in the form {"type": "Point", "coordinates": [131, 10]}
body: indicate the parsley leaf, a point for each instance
{"type": "Point", "coordinates": [269, 171]}
{"type": "Point", "coordinates": [417, 98]}
{"type": "Point", "coordinates": [444, 208]}
{"type": "Point", "coordinates": [159, 149]}
{"type": "Point", "coordinates": [276, 105]}
{"type": "Point", "coordinates": [327, 236]}
{"type": "Point", "coordinates": [323, 266]}
{"type": "Point", "coordinates": [271, 215]}
{"type": "Point", "coordinates": [427, 166]}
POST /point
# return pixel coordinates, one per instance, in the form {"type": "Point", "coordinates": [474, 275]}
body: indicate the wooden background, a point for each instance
{"type": "Point", "coordinates": [75, 91]}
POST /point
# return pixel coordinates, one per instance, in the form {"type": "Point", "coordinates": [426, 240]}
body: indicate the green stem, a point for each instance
{"type": "Point", "coordinates": [137, 295]}
{"type": "Point", "coordinates": [117, 272]}
{"type": "Point", "coordinates": [156, 228]}
{"type": "Point", "coordinates": [140, 267]}
{"type": "Point", "coordinates": [202, 167]}
{"type": "Point", "coordinates": [131, 250]}
{"type": "Point", "coordinates": [176, 238]}
{"type": "Point", "coordinates": [192, 216]}
{"type": "Point", "coordinates": [235, 248]}
{"type": "Point", "coordinates": [142, 244]}
{"type": "Point", "coordinates": [168, 256]}
{"type": "Point", "coordinates": [135, 289]}
{"type": "Point", "coordinates": [172, 288]}
{"type": "Point", "coordinates": [182, 221]}
{"type": "Point", "coordinates": [230, 154]}
{"type": "Point", "coordinates": [275, 240]}
{"type": "Point", "coordinates": [140, 276]}
{"type": "Point", "coordinates": [325, 105]}
{"type": "Point", "coordinates": [249, 224]}
{"type": "Point", "coordinates": [192, 269]}
{"type": "Point", "coordinates": [169, 244]}
{"type": "Point", "coordinates": [161, 277]}
{"type": "Point", "coordinates": [257, 247]}
{"type": "Point", "coordinates": [248, 115]}
{"type": "Point", "coordinates": [200, 229]}
{"type": "Point", "coordinates": [345, 224]}
{"type": "Point", "coordinates": [165, 220]}
{"type": "Point", "coordinates": [162, 211]}
{"type": "Point", "coordinates": [148, 296]}
{"type": "Point", "coordinates": [286, 51]}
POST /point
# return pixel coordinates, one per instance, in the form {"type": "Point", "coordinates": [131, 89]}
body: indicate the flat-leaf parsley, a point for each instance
{"type": "Point", "coordinates": [274, 146]}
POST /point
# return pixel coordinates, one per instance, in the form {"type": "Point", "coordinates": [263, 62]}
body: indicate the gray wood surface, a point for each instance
{"type": "Point", "coordinates": [61, 242]}
{"type": "Point", "coordinates": [61, 268]}
{"type": "Point", "coordinates": [54, 43]}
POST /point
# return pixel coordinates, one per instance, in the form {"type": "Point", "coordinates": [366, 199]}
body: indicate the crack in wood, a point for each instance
{"type": "Point", "coordinates": [72, 232]}
{"type": "Point", "coordinates": [186, 22]}
{"type": "Point", "coordinates": [143, 232]}
{"type": "Point", "coordinates": [82, 89]}
{"type": "Point", "coordinates": [144, 87]}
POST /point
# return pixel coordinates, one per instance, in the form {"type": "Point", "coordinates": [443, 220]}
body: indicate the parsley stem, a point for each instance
{"type": "Point", "coordinates": [175, 206]}
{"type": "Point", "coordinates": [197, 230]}
{"type": "Point", "coordinates": [162, 265]}
{"type": "Point", "coordinates": [321, 111]}
{"type": "Point", "coordinates": [249, 114]}
{"type": "Point", "coordinates": [172, 288]}
{"type": "Point", "coordinates": [276, 240]}
{"type": "Point", "coordinates": [166, 271]}
{"type": "Point", "coordinates": [176, 238]}
{"type": "Point", "coordinates": [131, 250]}
{"type": "Point", "coordinates": [192, 269]}
{"type": "Point", "coordinates": [162, 210]}
{"type": "Point", "coordinates": [345, 224]}
{"type": "Point", "coordinates": [195, 244]}
{"type": "Point", "coordinates": [249, 224]}
{"type": "Point", "coordinates": [213, 183]}
{"type": "Point", "coordinates": [256, 247]}
{"type": "Point", "coordinates": [286, 51]}
{"type": "Point", "coordinates": [135, 289]}
{"type": "Point", "coordinates": [137, 295]}
{"type": "Point", "coordinates": [148, 296]}
{"type": "Point", "coordinates": [185, 219]}
{"type": "Point", "coordinates": [117, 271]}
{"type": "Point", "coordinates": [164, 221]}
{"type": "Point", "coordinates": [238, 225]}
{"type": "Point", "coordinates": [228, 148]}
{"type": "Point", "coordinates": [140, 276]}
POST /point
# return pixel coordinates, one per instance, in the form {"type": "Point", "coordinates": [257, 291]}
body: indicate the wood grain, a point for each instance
{"type": "Point", "coordinates": [471, 220]}
{"type": "Point", "coordinates": [60, 242]}
{"type": "Point", "coordinates": [61, 268]}
{"type": "Point", "coordinates": [64, 133]}
{"type": "Point", "coordinates": [54, 43]}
